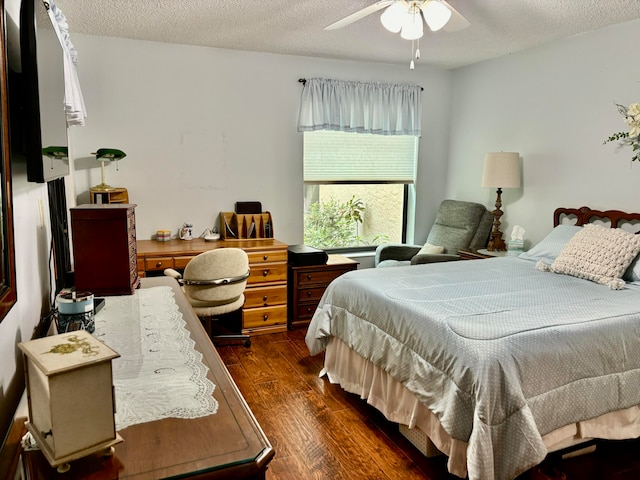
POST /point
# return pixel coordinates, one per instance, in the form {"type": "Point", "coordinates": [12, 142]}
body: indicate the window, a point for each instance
{"type": "Point", "coordinates": [356, 188]}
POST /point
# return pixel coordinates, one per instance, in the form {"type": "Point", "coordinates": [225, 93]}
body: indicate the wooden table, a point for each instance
{"type": "Point", "coordinates": [479, 254]}
{"type": "Point", "coordinates": [227, 444]}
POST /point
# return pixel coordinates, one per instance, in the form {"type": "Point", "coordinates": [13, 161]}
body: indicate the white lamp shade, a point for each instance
{"type": "Point", "coordinates": [394, 17]}
{"type": "Point", "coordinates": [501, 170]}
{"type": "Point", "coordinates": [413, 27]}
{"type": "Point", "coordinates": [436, 15]}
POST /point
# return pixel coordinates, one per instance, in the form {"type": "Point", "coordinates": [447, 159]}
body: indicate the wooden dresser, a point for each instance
{"type": "Point", "coordinates": [265, 308]}
{"type": "Point", "coordinates": [104, 248]}
{"type": "Point", "coordinates": [308, 283]}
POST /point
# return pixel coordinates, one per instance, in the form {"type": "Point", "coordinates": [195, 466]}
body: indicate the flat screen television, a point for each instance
{"type": "Point", "coordinates": [38, 125]}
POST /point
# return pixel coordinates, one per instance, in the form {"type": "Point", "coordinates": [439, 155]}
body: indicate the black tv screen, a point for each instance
{"type": "Point", "coordinates": [36, 95]}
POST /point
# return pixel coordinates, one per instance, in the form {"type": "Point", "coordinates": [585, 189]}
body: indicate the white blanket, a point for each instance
{"type": "Point", "coordinates": [500, 352]}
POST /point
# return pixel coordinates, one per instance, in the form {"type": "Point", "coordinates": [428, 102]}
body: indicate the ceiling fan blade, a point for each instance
{"type": "Point", "coordinates": [457, 21]}
{"type": "Point", "coordinates": [354, 17]}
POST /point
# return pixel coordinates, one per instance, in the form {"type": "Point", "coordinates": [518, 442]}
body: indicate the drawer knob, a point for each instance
{"type": "Point", "coordinates": [265, 298]}
{"type": "Point", "coordinates": [265, 273]}
{"type": "Point", "coordinates": [308, 276]}
{"type": "Point", "coordinates": [158, 264]}
{"type": "Point", "coordinates": [308, 293]}
{"type": "Point", "coordinates": [265, 258]}
{"type": "Point", "coordinates": [265, 318]}
{"type": "Point", "coordinates": [308, 309]}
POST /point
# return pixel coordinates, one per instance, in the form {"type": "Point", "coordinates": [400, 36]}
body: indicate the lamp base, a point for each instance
{"type": "Point", "coordinates": [496, 243]}
{"type": "Point", "coordinates": [103, 187]}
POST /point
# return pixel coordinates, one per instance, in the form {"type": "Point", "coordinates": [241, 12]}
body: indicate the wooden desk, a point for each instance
{"type": "Point", "coordinates": [265, 308]}
{"type": "Point", "coordinates": [228, 444]}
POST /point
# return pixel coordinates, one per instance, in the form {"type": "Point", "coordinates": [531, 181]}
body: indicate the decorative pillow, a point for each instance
{"type": "Point", "coordinates": [429, 249]}
{"type": "Point", "coordinates": [598, 254]}
{"type": "Point", "coordinates": [633, 272]}
{"type": "Point", "coordinates": [551, 246]}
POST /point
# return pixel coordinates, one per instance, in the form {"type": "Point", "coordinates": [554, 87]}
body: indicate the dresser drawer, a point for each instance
{"type": "Point", "coordinates": [265, 296]}
{"type": "Point", "coordinates": [269, 272]}
{"type": "Point", "coordinates": [310, 294]}
{"type": "Point", "coordinates": [264, 316]}
{"type": "Point", "coordinates": [305, 312]}
{"type": "Point", "coordinates": [181, 262]}
{"type": "Point", "coordinates": [158, 263]}
{"type": "Point", "coordinates": [318, 277]}
{"type": "Point", "coordinates": [258, 258]}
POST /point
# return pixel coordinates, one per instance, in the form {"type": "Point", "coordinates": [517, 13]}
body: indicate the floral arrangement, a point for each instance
{"type": "Point", "coordinates": [631, 115]}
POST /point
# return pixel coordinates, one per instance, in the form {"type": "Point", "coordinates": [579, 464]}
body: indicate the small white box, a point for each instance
{"type": "Point", "coordinates": [70, 396]}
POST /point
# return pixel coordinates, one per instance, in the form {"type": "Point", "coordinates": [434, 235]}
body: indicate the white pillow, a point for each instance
{"type": "Point", "coordinates": [633, 272]}
{"type": "Point", "coordinates": [598, 254]}
{"type": "Point", "coordinates": [551, 246]}
{"type": "Point", "coordinates": [429, 249]}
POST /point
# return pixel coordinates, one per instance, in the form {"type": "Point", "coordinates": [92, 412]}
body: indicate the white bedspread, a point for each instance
{"type": "Point", "coordinates": [501, 353]}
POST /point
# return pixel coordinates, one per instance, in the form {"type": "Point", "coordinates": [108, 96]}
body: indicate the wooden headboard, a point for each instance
{"type": "Point", "coordinates": [584, 215]}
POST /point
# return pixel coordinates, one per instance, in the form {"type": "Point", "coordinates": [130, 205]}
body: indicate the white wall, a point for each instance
{"type": "Point", "coordinates": [204, 128]}
{"type": "Point", "coordinates": [555, 105]}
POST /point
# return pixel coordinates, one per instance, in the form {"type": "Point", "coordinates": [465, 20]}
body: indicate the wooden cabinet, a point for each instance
{"type": "Point", "coordinates": [104, 248]}
{"type": "Point", "coordinates": [307, 284]}
{"type": "Point", "coordinates": [265, 307]}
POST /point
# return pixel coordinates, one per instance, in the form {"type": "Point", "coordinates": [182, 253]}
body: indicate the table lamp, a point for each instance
{"type": "Point", "coordinates": [501, 170]}
{"type": "Point", "coordinates": [107, 155]}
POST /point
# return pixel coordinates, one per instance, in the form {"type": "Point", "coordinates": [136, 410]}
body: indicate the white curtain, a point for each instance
{"type": "Point", "coordinates": [73, 100]}
{"type": "Point", "coordinates": [347, 106]}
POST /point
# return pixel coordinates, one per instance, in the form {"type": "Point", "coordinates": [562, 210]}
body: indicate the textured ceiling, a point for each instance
{"type": "Point", "coordinates": [296, 27]}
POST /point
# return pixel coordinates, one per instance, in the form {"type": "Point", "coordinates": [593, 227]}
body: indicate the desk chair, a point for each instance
{"type": "Point", "coordinates": [214, 283]}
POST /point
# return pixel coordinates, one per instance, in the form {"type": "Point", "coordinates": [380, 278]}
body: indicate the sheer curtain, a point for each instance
{"type": "Point", "coordinates": [349, 106]}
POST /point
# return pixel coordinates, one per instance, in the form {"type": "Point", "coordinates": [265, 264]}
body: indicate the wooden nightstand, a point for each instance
{"type": "Point", "coordinates": [307, 284]}
{"type": "Point", "coordinates": [471, 254]}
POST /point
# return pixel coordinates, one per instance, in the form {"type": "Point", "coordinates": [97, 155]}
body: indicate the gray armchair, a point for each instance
{"type": "Point", "coordinates": [458, 225]}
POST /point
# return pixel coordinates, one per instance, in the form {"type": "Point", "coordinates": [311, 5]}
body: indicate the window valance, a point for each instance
{"type": "Point", "coordinates": [349, 106]}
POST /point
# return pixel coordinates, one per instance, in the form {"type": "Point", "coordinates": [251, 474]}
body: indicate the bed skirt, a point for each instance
{"type": "Point", "coordinates": [359, 376]}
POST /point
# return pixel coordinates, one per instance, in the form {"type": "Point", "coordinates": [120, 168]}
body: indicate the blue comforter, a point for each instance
{"type": "Point", "coordinates": [500, 352]}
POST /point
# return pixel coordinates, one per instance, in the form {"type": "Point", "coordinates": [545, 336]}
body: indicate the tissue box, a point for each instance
{"type": "Point", "coordinates": [515, 247]}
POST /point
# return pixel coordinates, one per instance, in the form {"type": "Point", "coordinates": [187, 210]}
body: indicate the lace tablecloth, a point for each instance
{"type": "Point", "coordinates": [159, 374]}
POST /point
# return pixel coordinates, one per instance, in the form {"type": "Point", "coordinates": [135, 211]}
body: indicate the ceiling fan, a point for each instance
{"type": "Point", "coordinates": [406, 17]}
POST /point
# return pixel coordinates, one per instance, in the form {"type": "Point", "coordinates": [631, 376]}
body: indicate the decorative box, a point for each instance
{"type": "Point", "coordinates": [70, 396]}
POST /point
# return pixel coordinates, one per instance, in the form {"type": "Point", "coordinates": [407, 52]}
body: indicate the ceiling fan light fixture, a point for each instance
{"type": "Point", "coordinates": [394, 17]}
{"type": "Point", "coordinates": [436, 15]}
{"type": "Point", "coordinates": [412, 28]}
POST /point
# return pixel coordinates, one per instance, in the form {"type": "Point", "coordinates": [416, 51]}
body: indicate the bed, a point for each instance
{"type": "Point", "coordinates": [499, 361]}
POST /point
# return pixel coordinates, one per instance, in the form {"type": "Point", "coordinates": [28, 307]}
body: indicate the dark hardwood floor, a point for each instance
{"type": "Point", "coordinates": [320, 431]}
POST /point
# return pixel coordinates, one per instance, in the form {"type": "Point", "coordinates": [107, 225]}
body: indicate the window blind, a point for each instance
{"type": "Point", "coordinates": [332, 156]}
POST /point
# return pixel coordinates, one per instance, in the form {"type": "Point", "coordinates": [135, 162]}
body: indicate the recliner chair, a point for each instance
{"type": "Point", "coordinates": [214, 283]}
{"type": "Point", "coordinates": [458, 225]}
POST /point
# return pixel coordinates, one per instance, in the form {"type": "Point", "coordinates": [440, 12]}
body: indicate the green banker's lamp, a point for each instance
{"type": "Point", "coordinates": [55, 152]}
{"type": "Point", "coordinates": [107, 155]}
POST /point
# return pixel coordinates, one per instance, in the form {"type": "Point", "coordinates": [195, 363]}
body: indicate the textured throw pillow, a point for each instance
{"type": "Point", "coordinates": [598, 254]}
{"type": "Point", "coordinates": [429, 249]}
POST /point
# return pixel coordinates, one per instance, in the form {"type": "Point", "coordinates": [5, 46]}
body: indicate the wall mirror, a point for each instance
{"type": "Point", "coordinates": [8, 295]}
